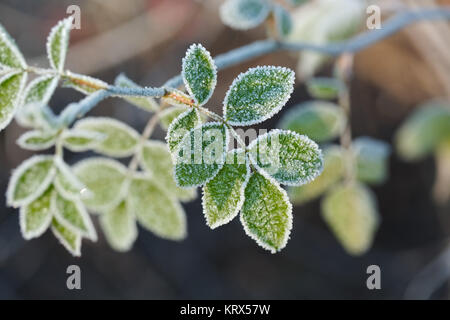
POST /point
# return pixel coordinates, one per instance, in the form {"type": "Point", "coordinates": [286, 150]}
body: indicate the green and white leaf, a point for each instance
{"type": "Point", "coordinates": [321, 121]}
{"type": "Point", "coordinates": [350, 210]}
{"type": "Point", "coordinates": [78, 140]}
{"type": "Point", "coordinates": [178, 98]}
{"type": "Point", "coordinates": [58, 42]}
{"type": "Point", "coordinates": [36, 116]}
{"type": "Point", "coordinates": [288, 157]}
{"type": "Point", "coordinates": [145, 103]}
{"type": "Point", "coordinates": [82, 83]}
{"type": "Point", "coordinates": [267, 213]}
{"type": "Point", "coordinates": [69, 239]}
{"type": "Point", "coordinates": [223, 196]}
{"type": "Point", "coordinates": [156, 210]}
{"type": "Point", "coordinates": [10, 56]}
{"type": "Point", "coordinates": [119, 227]}
{"type": "Point", "coordinates": [324, 88]}
{"type": "Point", "coordinates": [244, 14]}
{"type": "Point", "coordinates": [30, 180]}
{"type": "Point", "coordinates": [120, 139]}
{"type": "Point", "coordinates": [167, 116]}
{"type": "Point", "coordinates": [258, 94]}
{"type": "Point", "coordinates": [180, 127]}
{"type": "Point", "coordinates": [37, 140]}
{"type": "Point", "coordinates": [201, 154]}
{"type": "Point", "coordinates": [11, 88]}
{"type": "Point", "coordinates": [40, 90]}
{"type": "Point", "coordinates": [67, 184]}
{"type": "Point", "coordinates": [283, 20]}
{"type": "Point", "coordinates": [35, 217]}
{"type": "Point", "coordinates": [372, 160]}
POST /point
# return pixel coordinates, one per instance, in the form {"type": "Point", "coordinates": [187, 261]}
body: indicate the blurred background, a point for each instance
{"type": "Point", "coordinates": [146, 39]}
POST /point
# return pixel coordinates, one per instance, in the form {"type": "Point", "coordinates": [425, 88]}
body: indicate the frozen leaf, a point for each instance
{"type": "Point", "coordinates": [223, 196]}
{"type": "Point", "coordinates": [372, 160]}
{"type": "Point", "coordinates": [199, 74]}
{"type": "Point", "coordinates": [36, 116]}
{"type": "Point", "coordinates": [350, 211]}
{"type": "Point", "coordinates": [11, 87]}
{"type": "Point", "coordinates": [333, 170]}
{"type": "Point", "coordinates": [201, 155]}
{"type": "Point", "coordinates": [145, 103]}
{"type": "Point", "coordinates": [156, 159]}
{"type": "Point", "coordinates": [180, 127]}
{"type": "Point", "coordinates": [35, 218]}
{"type": "Point", "coordinates": [82, 83]}
{"type": "Point", "coordinates": [105, 179]}
{"type": "Point", "coordinates": [10, 56]}
{"type": "Point", "coordinates": [58, 42]}
{"type": "Point", "coordinates": [69, 239]}
{"type": "Point", "coordinates": [120, 139]}
{"type": "Point", "coordinates": [290, 158]}
{"type": "Point", "coordinates": [82, 140]}
{"type": "Point", "coordinates": [283, 20]}
{"type": "Point", "coordinates": [321, 121]}
{"type": "Point", "coordinates": [40, 90]}
{"type": "Point", "coordinates": [156, 210]}
{"type": "Point", "coordinates": [30, 180]}
{"type": "Point", "coordinates": [67, 184]}
{"type": "Point", "coordinates": [119, 227]}
{"type": "Point", "coordinates": [37, 140]}
{"type": "Point", "coordinates": [244, 14]}
{"type": "Point", "coordinates": [324, 88]}
{"type": "Point", "coordinates": [178, 98]}
{"type": "Point", "coordinates": [168, 115]}
{"type": "Point", "coordinates": [267, 213]}
{"type": "Point", "coordinates": [257, 95]}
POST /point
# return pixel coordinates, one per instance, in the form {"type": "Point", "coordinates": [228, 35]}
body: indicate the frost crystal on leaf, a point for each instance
{"type": "Point", "coordinates": [81, 140]}
{"type": "Point", "coordinates": [180, 127]}
{"type": "Point", "coordinates": [57, 43]}
{"type": "Point", "coordinates": [82, 83]}
{"type": "Point", "coordinates": [258, 94]}
{"type": "Point", "coordinates": [40, 90]}
{"type": "Point", "coordinates": [283, 20]}
{"type": "Point", "coordinates": [37, 140]}
{"type": "Point", "coordinates": [167, 116]}
{"type": "Point", "coordinates": [145, 103]}
{"type": "Point", "coordinates": [371, 159]}
{"type": "Point", "coordinates": [36, 217]}
{"type": "Point", "coordinates": [10, 56]}
{"type": "Point", "coordinates": [67, 184]}
{"type": "Point", "coordinates": [69, 239]}
{"type": "Point", "coordinates": [11, 87]}
{"type": "Point", "coordinates": [199, 73]}
{"type": "Point", "coordinates": [244, 14]}
{"type": "Point", "coordinates": [267, 213]}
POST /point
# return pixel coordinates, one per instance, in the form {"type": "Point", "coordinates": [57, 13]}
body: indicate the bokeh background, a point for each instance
{"type": "Point", "coordinates": [146, 39]}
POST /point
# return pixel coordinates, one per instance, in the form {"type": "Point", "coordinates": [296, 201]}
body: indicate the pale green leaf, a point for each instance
{"type": "Point", "coordinates": [324, 88]}
{"type": "Point", "coordinates": [83, 83]}
{"type": "Point", "coordinates": [145, 103]}
{"type": "Point", "coordinates": [180, 127]}
{"type": "Point", "coordinates": [244, 14]}
{"type": "Point", "coordinates": [36, 116]}
{"type": "Point", "coordinates": [37, 140]}
{"type": "Point", "coordinates": [69, 239]}
{"type": "Point", "coordinates": [40, 90]}
{"type": "Point", "coordinates": [67, 184]}
{"type": "Point", "coordinates": [58, 42]}
{"type": "Point", "coordinates": [283, 20]}
{"type": "Point", "coordinates": [267, 213]}
{"type": "Point", "coordinates": [258, 94]}
{"type": "Point", "coordinates": [372, 160]}
{"type": "Point", "coordinates": [10, 56]}
{"type": "Point", "coordinates": [78, 140]}
{"type": "Point", "coordinates": [35, 218]}
{"type": "Point", "coordinates": [11, 87]}
{"type": "Point", "coordinates": [167, 116]}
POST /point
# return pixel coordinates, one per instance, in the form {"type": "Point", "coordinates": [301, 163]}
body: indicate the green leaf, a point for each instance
{"type": "Point", "coordinates": [319, 120]}
{"type": "Point", "coordinates": [11, 87]}
{"type": "Point", "coordinates": [324, 88]}
{"type": "Point", "coordinates": [258, 94]}
{"type": "Point", "coordinates": [36, 116]}
{"type": "Point", "coordinates": [37, 140]}
{"type": "Point", "coordinates": [244, 14]}
{"type": "Point", "coordinates": [58, 42]}
{"type": "Point", "coordinates": [201, 154]}
{"type": "Point", "coordinates": [157, 160]}
{"type": "Point", "coordinates": [82, 140]}
{"type": "Point", "coordinates": [40, 90]}
{"type": "Point", "coordinates": [290, 158]}
{"type": "Point", "coordinates": [156, 210]}
{"type": "Point", "coordinates": [424, 130]}
{"type": "Point", "coordinates": [84, 84]}
{"type": "Point", "coordinates": [36, 217]}
{"type": "Point", "coordinates": [223, 196]}
{"type": "Point", "coordinates": [119, 227]}
{"type": "Point", "coordinates": [333, 170]}
{"type": "Point", "coordinates": [372, 160]}
{"type": "Point", "coordinates": [283, 20]}
{"type": "Point", "coordinates": [350, 211]}
{"type": "Point", "coordinates": [69, 239]}
{"type": "Point", "coordinates": [105, 179]}
{"type": "Point", "coordinates": [67, 184]}
{"type": "Point", "coordinates": [180, 127]}
{"type": "Point", "coordinates": [30, 180]}
{"type": "Point", "coordinates": [199, 73]}
{"type": "Point", "coordinates": [120, 139]}
{"type": "Point", "coordinates": [267, 213]}
{"type": "Point", "coordinates": [145, 103]}
{"type": "Point", "coordinates": [10, 56]}
{"type": "Point", "coordinates": [167, 116]}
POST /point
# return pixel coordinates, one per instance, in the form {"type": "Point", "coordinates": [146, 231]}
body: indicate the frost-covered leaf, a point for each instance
{"type": "Point", "coordinates": [81, 140]}
{"type": "Point", "coordinates": [283, 20]}
{"type": "Point", "coordinates": [69, 239]}
{"type": "Point", "coordinates": [333, 169]}
{"type": "Point", "coordinates": [371, 159]}
{"type": "Point", "coordinates": [11, 87]}
{"type": "Point", "coordinates": [350, 210]}
{"type": "Point", "coordinates": [244, 14]}
{"type": "Point", "coordinates": [424, 130]}
{"type": "Point", "coordinates": [145, 103]}
{"type": "Point", "coordinates": [105, 179]}
{"type": "Point", "coordinates": [36, 116]}
{"type": "Point", "coordinates": [30, 180]}
{"type": "Point", "coordinates": [58, 42]}
{"type": "Point", "coordinates": [120, 139]}
{"type": "Point", "coordinates": [178, 98]}
{"type": "Point", "coordinates": [156, 210]}
{"type": "Point", "coordinates": [201, 154]}
{"type": "Point", "coordinates": [290, 158]}
{"type": "Point", "coordinates": [36, 217]}
{"type": "Point", "coordinates": [167, 116]}
{"type": "Point", "coordinates": [157, 160]}
{"type": "Point", "coordinates": [180, 127]}
{"type": "Point", "coordinates": [258, 94]}
{"type": "Point", "coordinates": [119, 227]}
{"type": "Point", "coordinates": [40, 90]}
{"type": "Point", "coordinates": [67, 184]}
{"type": "Point", "coordinates": [319, 120]}
{"type": "Point", "coordinates": [37, 140]}
{"type": "Point", "coordinates": [223, 196]}
{"type": "Point", "coordinates": [267, 213]}
{"type": "Point", "coordinates": [10, 56]}
{"type": "Point", "coordinates": [72, 215]}
{"type": "Point", "coordinates": [82, 83]}
{"type": "Point", "coordinates": [199, 73]}
{"type": "Point", "coordinates": [324, 88]}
